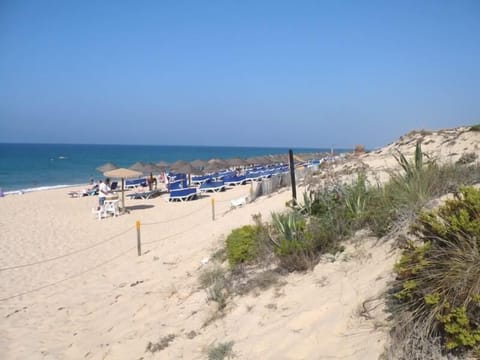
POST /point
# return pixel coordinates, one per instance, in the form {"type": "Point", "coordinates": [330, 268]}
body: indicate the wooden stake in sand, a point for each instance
{"type": "Point", "coordinates": [213, 209]}
{"type": "Point", "coordinates": [139, 243]}
{"type": "Point", "coordinates": [292, 176]}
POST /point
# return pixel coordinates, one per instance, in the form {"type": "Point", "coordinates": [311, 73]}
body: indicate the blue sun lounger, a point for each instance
{"type": "Point", "coordinates": [235, 180]}
{"type": "Point", "coordinates": [134, 183]}
{"type": "Point", "coordinates": [213, 186]}
{"type": "Point", "coordinates": [183, 194]}
{"type": "Point", "coordinates": [88, 192]}
{"type": "Point", "coordinates": [254, 176]}
{"type": "Point", "coordinates": [144, 195]}
{"type": "Point", "coordinates": [198, 180]}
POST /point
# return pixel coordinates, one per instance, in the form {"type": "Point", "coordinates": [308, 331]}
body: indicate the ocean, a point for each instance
{"type": "Point", "coordinates": [31, 167]}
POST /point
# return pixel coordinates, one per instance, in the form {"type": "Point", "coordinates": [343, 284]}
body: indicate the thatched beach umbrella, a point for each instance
{"type": "Point", "coordinates": [162, 165]}
{"type": "Point", "coordinates": [278, 158]}
{"type": "Point", "coordinates": [215, 165]}
{"type": "Point", "coordinates": [182, 167]}
{"type": "Point", "coordinates": [107, 167]}
{"type": "Point", "coordinates": [306, 156]}
{"type": "Point", "coordinates": [123, 173]}
{"type": "Point", "coordinates": [138, 166]}
{"type": "Point", "coordinates": [146, 168]}
{"type": "Point", "coordinates": [298, 159]}
{"type": "Point", "coordinates": [198, 164]}
{"type": "Point", "coordinates": [236, 162]}
{"type": "Point", "coordinates": [259, 160]}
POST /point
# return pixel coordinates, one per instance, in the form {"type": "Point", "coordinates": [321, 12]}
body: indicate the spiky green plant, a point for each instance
{"type": "Point", "coordinates": [290, 225]}
{"type": "Point", "coordinates": [356, 199]}
{"type": "Point", "coordinates": [414, 185]}
{"type": "Point", "coordinates": [411, 169]}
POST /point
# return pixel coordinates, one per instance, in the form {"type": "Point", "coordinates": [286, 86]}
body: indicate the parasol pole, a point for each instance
{"type": "Point", "coordinates": [123, 196]}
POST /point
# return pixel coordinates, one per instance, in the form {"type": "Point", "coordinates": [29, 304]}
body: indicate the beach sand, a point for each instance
{"type": "Point", "coordinates": [84, 293]}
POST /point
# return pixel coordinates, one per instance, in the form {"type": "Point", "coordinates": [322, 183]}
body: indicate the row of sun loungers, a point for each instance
{"type": "Point", "coordinates": [219, 181]}
{"type": "Point", "coordinates": [179, 190]}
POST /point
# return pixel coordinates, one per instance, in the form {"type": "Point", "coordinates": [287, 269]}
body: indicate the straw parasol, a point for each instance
{"type": "Point", "coordinates": [107, 167]}
{"type": "Point", "coordinates": [138, 166]}
{"type": "Point", "coordinates": [298, 158]}
{"type": "Point", "coordinates": [123, 173]}
{"type": "Point", "coordinates": [146, 168]}
{"type": "Point", "coordinates": [215, 165]}
{"type": "Point", "coordinates": [280, 158]}
{"type": "Point", "coordinates": [236, 162]}
{"type": "Point", "coordinates": [198, 164]}
{"type": "Point", "coordinates": [182, 167]}
{"type": "Point", "coordinates": [162, 165]}
{"type": "Point", "coordinates": [259, 160]}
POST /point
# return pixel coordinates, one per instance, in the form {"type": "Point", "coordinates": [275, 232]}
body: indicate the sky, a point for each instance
{"type": "Point", "coordinates": [242, 73]}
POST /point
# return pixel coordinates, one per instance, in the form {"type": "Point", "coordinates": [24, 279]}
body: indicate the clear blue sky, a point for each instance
{"type": "Point", "coordinates": [245, 72]}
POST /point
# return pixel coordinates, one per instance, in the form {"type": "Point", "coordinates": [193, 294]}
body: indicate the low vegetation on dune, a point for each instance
{"type": "Point", "coordinates": [435, 301]}
{"type": "Point", "coordinates": [438, 280]}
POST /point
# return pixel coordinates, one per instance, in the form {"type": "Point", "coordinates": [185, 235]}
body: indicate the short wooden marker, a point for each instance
{"type": "Point", "coordinates": [213, 209]}
{"type": "Point", "coordinates": [139, 244]}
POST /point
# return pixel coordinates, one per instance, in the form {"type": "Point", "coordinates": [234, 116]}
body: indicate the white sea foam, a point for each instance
{"type": "Point", "coordinates": [40, 188]}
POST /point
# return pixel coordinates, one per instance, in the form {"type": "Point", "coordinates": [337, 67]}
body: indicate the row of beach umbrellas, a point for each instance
{"type": "Point", "coordinates": [199, 166]}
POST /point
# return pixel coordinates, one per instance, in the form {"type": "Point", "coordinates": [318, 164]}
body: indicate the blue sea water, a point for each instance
{"type": "Point", "coordinates": [30, 167]}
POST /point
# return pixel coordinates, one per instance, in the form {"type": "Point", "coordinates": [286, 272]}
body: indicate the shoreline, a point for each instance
{"type": "Point", "coordinates": [40, 188]}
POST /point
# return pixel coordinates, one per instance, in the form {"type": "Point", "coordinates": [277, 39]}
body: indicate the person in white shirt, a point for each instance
{"type": "Point", "coordinates": [103, 191]}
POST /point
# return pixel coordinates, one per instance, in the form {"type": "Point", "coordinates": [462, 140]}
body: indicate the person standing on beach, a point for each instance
{"type": "Point", "coordinates": [103, 191]}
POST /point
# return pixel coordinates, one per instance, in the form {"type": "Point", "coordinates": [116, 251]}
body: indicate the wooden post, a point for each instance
{"type": "Point", "coordinates": [292, 176]}
{"type": "Point", "coordinates": [139, 244]}
{"type": "Point", "coordinates": [213, 209]}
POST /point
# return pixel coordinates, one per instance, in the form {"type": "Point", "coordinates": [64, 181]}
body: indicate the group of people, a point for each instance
{"type": "Point", "coordinates": [105, 190]}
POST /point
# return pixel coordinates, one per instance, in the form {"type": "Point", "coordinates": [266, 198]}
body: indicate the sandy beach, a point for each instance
{"type": "Point", "coordinates": [73, 286]}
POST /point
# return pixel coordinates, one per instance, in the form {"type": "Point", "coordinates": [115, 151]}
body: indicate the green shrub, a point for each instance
{"type": "Point", "coordinates": [242, 245]}
{"type": "Point", "coordinates": [457, 324]}
{"type": "Point", "coordinates": [438, 281]}
{"type": "Point", "coordinates": [221, 351]}
{"type": "Point", "coordinates": [299, 240]}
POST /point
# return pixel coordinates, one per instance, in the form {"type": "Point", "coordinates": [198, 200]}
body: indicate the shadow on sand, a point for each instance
{"type": "Point", "coordinates": [139, 207]}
